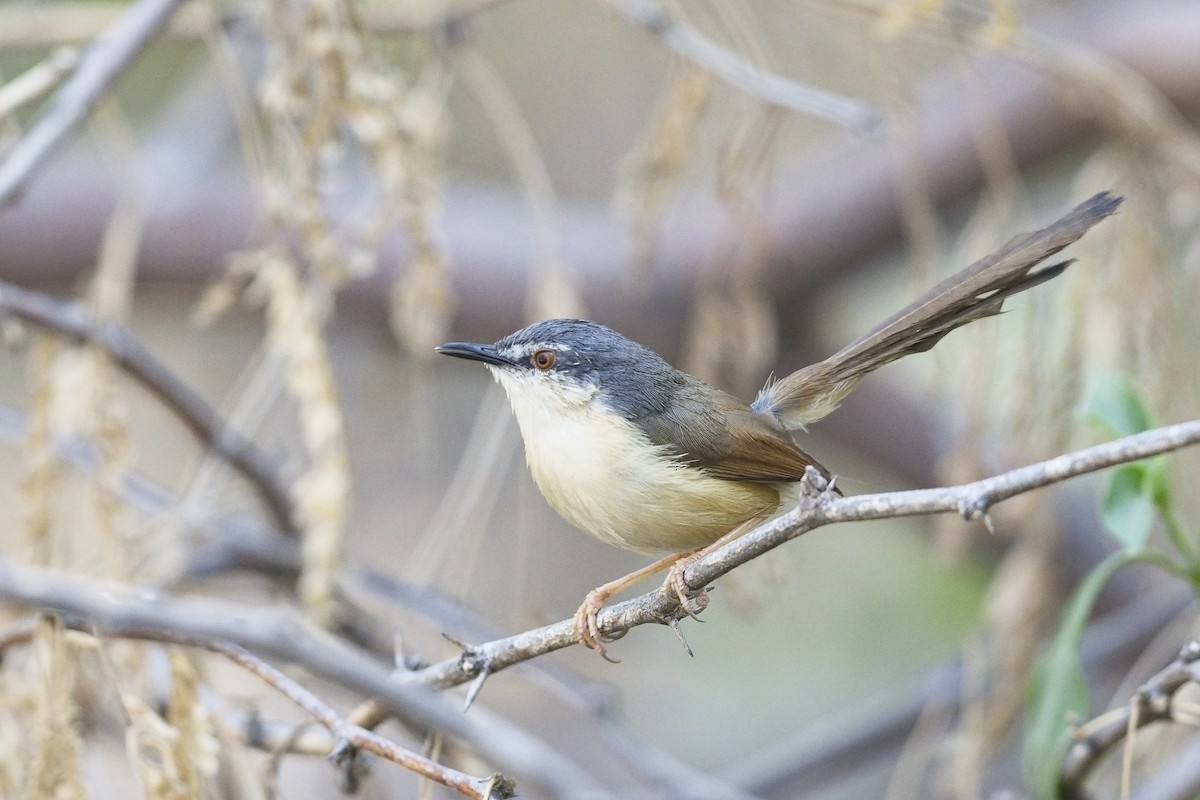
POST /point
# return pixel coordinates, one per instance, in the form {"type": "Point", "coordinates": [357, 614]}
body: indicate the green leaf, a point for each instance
{"type": "Point", "coordinates": [1136, 495]}
{"type": "Point", "coordinates": [1129, 506]}
{"type": "Point", "coordinates": [1116, 406]}
{"type": "Point", "coordinates": [1158, 486]}
{"type": "Point", "coordinates": [1058, 690]}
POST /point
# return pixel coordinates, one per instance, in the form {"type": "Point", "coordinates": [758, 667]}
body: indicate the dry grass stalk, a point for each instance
{"type": "Point", "coordinates": [422, 303]}
{"type": "Point", "coordinates": [322, 491]}
{"type": "Point", "coordinates": [1021, 601]}
{"type": "Point", "coordinates": [330, 98]}
{"type": "Point", "coordinates": [733, 336]}
{"type": "Point", "coordinates": [898, 16]}
{"type": "Point", "coordinates": [75, 397]}
{"type": "Point", "coordinates": [197, 748]}
{"type": "Point", "coordinates": [152, 745]}
{"type": "Point", "coordinates": [42, 469]}
{"type": "Point", "coordinates": [423, 300]}
{"type": "Point", "coordinates": [19, 699]}
{"type": "Point", "coordinates": [110, 297]}
{"type": "Point", "coordinates": [54, 773]}
{"type": "Point", "coordinates": [653, 171]}
{"type": "Point", "coordinates": [551, 291]}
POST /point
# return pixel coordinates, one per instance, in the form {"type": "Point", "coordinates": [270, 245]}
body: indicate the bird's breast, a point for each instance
{"type": "Point", "coordinates": [602, 474]}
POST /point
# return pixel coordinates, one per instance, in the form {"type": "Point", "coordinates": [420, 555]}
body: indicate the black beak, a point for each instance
{"type": "Point", "coordinates": [475, 352]}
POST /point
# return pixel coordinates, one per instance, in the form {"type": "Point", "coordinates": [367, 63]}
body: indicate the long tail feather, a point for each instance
{"type": "Point", "coordinates": [976, 292]}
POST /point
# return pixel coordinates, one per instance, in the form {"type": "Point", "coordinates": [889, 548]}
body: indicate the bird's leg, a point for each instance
{"type": "Point", "coordinates": [587, 627]}
{"type": "Point", "coordinates": [675, 584]}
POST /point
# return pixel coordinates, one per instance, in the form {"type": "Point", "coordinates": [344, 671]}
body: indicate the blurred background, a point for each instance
{"type": "Point", "coordinates": [288, 204]}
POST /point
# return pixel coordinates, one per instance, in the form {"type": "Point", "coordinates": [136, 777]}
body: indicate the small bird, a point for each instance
{"type": "Point", "coordinates": [651, 459]}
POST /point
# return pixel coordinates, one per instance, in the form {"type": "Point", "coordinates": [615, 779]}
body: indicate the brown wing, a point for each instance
{"type": "Point", "coordinates": [719, 433]}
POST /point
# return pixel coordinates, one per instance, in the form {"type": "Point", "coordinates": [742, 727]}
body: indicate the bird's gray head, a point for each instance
{"type": "Point", "coordinates": [573, 362]}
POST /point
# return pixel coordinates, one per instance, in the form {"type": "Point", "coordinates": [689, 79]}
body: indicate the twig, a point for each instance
{"type": "Point", "coordinates": [1152, 703]}
{"type": "Point", "coordinates": [734, 70]}
{"type": "Point", "coordinates": [243, 543]}
{"type": "Point", "coordinates": [971, 500]}
{"type": "Point", "coordinates": [794, 766]}
{"type": "Point", "coordinates": [71, 320]}
{"type": "Point", "coordinates": [99, 67]}
{"type": "Point", "coordinates": [36, 81]}
{"type": "Point", "coordinates": [353, 736]}
{"type": "Point", "coordinates": [345, 734]}
{"type": "Point", "coordinates": [234, 541]}
{"type": "Point", "coordinates": [124, 611]}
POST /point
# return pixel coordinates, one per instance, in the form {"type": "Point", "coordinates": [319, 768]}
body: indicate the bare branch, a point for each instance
{"type": "Point", "coordinates": [816, 509]}
{"type": "Point", "coordinates": [349, 735]}
{"type": "Point", "coordinates": [99, 68]}
{"type": "Point", "coordinates": [734, 70]}
{"type": "Point", "coordinates": [80, 21]}
{"type": "Point", "coordinates": [37, 81]}
{"type": "Point", "coordinates": [73, 321]}
{"type": "Point", "coordinates": [243, 543]}
{"type": "Point", "coordinates": [123, 611]}
{"type": "Point", "coordinates": [346, 735]}
{"type": "Point", "coordinates": [1152, 703]}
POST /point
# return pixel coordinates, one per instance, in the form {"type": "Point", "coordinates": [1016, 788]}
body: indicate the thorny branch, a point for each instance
{"type": "Point", "coordinates": [71, 320]}
{"type": "Point", "coordinates": [130, 612]}
{"type": "Point", "coordinates": [290, 638]}
{"type": "Point", "coordinates": [105, 60]}
{"type": "Point", "coordinates": [816, 509]}
{"type": "Point", "coordinates": [127, 613]}
{"type": "Point", "coordinates": [1153, 703]}
{"type": "Point", "coordinates": [354, 736]}
{"type": "Point", "coordinates": [235, 542]}
{"type": "Point", "coordinates": [347, 737]}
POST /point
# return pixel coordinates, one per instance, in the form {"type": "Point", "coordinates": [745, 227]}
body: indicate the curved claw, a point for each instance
{"type": "Point", "coordinates": [675, 585]}
{"type": "Point", "coordinates": [587, 626]}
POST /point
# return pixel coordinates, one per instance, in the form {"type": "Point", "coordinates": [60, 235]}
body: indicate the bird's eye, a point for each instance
{"type": "Point", "coordinates": [544, 359]}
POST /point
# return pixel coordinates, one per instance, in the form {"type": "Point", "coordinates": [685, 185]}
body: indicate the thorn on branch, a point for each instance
{"type": "Point", "coordinates": [499, 787]}
{"type": "Point", "coordinates": [472, 662]}
{"type": "Point", "coordinates": [976, 508]}
{"type": "Point", "coordinates": [816, 487]}
{"type": "Point", "coordinates": [674, 623]}
{"type": "Point", "coordinates": [254, 731]}
{"type": "Point", "coordinates": [476, 688]}
{"type": "Point", "coordinates": [354, 768]}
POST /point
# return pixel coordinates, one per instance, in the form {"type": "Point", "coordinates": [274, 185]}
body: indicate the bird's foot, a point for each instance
{"type": "Point", "coordinates": [691, 601]}
{"type": "Point", "coordinates": [587, 624]}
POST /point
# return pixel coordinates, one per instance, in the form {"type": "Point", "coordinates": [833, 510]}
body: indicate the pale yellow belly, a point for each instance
{"type": "Point", "coordinates": [599, 473]}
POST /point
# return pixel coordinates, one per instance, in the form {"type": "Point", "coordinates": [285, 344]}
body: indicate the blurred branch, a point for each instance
{"type": "Point", "coordinates": [1152, 703]}
{"type": "Point", "coordinates": [1177, 779]}
{"type": "Point", "coordinates": [99, 68]}
{"type": "Point", "coordinates": [78, 21]}
{"type": "Point", "coordinates": [233, 542]}
{"type": "Point", "coordinates": [818, 507]}
{"type": "Point", "coordinates": [133, 612]}
{"type": "Point", "coordinates": [37, 80]}
{"type": "Point", "coordinates": [347, 737]}
{"type": "Point", "coordinates": [795, 766]}
{"type": "Point", "coordinates": [734, 70]}
{"type": "Point", "coordinates": [72, 321]}
{"type": "Point", "coordinates": [285, 636]}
